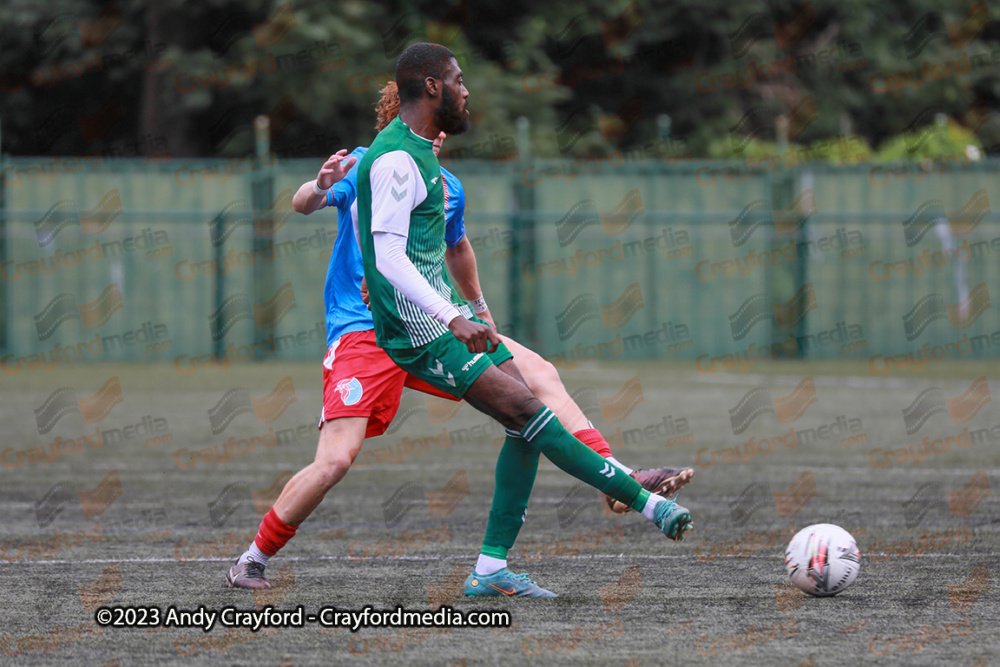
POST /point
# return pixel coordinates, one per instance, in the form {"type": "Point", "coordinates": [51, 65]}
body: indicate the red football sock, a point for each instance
{"type": "Point", "coordinates": [593, 439]}
{"type": "Point", "coordinates": [273, 533]}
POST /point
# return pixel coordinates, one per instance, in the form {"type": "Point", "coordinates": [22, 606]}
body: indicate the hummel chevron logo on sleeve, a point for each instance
{"type": "Point", "coordinates": [398, 195]}
{"type": "Point", "coordinates": [400, 179]}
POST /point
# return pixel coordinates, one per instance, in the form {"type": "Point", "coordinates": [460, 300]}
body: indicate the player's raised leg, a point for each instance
{"type": "Point", "coordinates": [340, 441]}
{"type": "Point", "coordinates": [503, 397]}
{"type": "Point", "coordinates": [543, 380]}
{"type": "Point", "coordinates": [515, 474]}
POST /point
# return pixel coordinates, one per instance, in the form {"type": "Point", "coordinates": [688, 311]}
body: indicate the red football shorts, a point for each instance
{"type": "Point", "coordinates": [360, 380]}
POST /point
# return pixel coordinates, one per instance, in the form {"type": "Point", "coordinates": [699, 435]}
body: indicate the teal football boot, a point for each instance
{"type": "Point", "coordinates": [503, 583]}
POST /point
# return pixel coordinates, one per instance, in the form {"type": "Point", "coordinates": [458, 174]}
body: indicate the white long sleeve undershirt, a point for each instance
{"type": "Point", "coordinates": [392, 262]}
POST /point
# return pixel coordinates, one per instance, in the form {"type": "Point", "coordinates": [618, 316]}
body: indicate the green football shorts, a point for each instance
{"type": "Point", "coordinates": [446, 363]}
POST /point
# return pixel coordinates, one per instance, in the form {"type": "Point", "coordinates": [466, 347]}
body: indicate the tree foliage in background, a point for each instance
{"type": "Point", "coordinates": [685, 78]}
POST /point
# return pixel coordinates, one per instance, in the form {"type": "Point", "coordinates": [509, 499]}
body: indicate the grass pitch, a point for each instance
{"type": "Point", "coordinates": [155, 514]}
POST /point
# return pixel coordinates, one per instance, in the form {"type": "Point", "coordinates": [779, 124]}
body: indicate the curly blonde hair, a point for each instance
{"type": "Point", "coordinates": [388, 106]}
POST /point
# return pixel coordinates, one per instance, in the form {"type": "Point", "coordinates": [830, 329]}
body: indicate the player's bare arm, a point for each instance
{"type": "Point", "coordinates": [311, 195]}
{"type": "Point", "coordinates": [461, 262]}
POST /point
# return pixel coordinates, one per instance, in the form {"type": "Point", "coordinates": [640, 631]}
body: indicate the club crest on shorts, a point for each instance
{"type": "Point", "coordinates": [350, 391]}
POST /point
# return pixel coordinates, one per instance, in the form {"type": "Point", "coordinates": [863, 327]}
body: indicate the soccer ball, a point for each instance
{"type": "Point", "coordinates": [822, 559]}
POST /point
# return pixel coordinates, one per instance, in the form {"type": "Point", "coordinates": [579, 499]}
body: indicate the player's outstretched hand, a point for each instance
{"type": "Point", "coordinates": [334, 169]}
{"type": "Point", "coordinates": [477, 337]}
{"type": "Point", "coordinates": [364, 293]}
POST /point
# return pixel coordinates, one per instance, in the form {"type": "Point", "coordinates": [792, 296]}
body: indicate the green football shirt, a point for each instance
{"type": "Point", "coordinates": [399, 172]}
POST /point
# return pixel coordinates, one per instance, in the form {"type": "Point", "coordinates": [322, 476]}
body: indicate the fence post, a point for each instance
{"type": "Point", "coordinates": [3, 251]}
{"type": "Point", "coordinates": [220, 278]}
{"type": "Point", "coordinates": [784, 193]}
{"type": "Point", "coordinates": [522, 304]}
{"type": "Point", "coordinates": [261, 201]}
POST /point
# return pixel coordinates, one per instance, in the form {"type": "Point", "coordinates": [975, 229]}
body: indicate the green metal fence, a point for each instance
{"type": "Point", "coordinates": [718, 263]}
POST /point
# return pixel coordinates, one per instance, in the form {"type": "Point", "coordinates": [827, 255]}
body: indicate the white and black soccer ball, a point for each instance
{"type": "Point", "coordinates": [822, 559]}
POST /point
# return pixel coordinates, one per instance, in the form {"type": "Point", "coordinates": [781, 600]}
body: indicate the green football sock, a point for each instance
{"type": "Point", "coordinates": [515, 475]}
{"type": "Point", "coordinates": [558, 445]}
